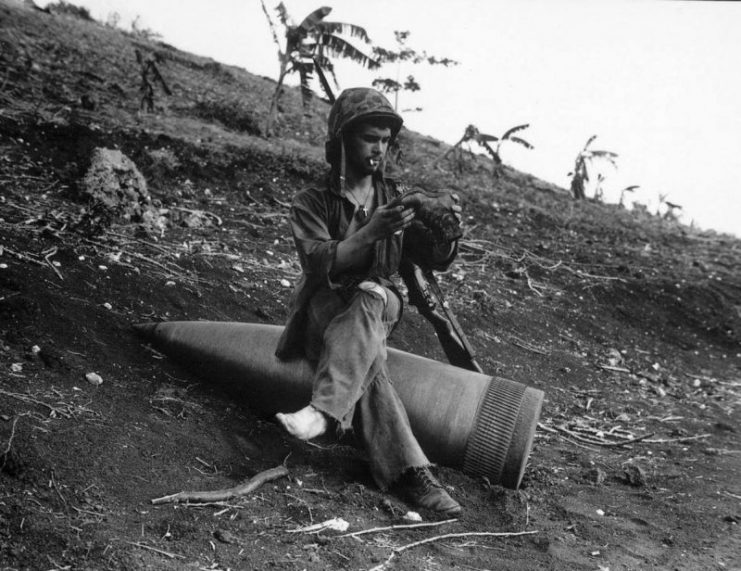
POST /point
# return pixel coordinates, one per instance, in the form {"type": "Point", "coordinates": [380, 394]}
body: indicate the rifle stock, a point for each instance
{"type": "Point", "coordinates": [425, 294]}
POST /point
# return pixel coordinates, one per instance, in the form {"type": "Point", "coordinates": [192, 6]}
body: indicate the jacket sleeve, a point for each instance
{"type": "Point", "coordinates": [316, 248]}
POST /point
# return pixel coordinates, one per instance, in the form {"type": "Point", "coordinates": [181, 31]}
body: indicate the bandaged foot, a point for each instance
{"type": "Point", "coordinates": [304, 424]}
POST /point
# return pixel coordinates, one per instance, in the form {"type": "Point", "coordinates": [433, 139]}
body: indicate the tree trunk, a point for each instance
{"type": "Point", "coordinates": [272, 114]}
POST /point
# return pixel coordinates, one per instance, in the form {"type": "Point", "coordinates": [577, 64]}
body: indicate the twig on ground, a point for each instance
{"type": "Point", "coordinates": [583, 274]}
{"type": "Point", "coordinates": [399, 550]}
{"type": "Point", "coordinates": [554, 431]}
{"type": "Point", "coordinates": [219, 222]}
{"type": "Point", "coordinates": [400, 526]}
{"type": "Point", "coordinates": [616, 369]}
{"type": "Point", "coordinates": [170, 272]}
{"type": "Point", "coordinates": [6, 453]}
{"type": "Point", "coordinates": [47, 257]}
{"type": "Point", "coordinates": [618, 436]}
{"type": "Point", "coordinates": [630, 440]}
{"type": "Point", "coordinates": [226, 494]}
{"type": "Point", "coordinates": [22, 256]}
{"type": "Point", "coordinates": [682, 439]}
{"type": "Point", "coordinates": [600, 441]}
{"type": "Point", "coordinates": [160, 551]}
{"type": "Point", "coordinates": [57, 490]}
{"type": "Point", "coordinates": [530, 284]}
{"type": "Point", "coordinates": [53, 411]}
{"type": "Point", "coordinates": [527, 346]}
{"type": "Point", "coordinates": [132, 240]}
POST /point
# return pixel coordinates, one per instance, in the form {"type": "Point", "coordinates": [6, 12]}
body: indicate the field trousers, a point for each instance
{"type": "Point", "coordinates": [351, 385]}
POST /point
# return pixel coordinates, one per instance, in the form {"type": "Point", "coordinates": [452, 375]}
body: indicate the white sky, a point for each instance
{"type": "Point", "coordinates": [657, 82]}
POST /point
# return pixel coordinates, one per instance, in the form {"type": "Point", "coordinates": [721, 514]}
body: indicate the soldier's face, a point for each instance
{"type": "Point", "coordinates": [366, 147]}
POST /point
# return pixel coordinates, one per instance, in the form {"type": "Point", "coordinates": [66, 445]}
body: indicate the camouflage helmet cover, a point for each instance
{"type": "Point", "coordinates": [355, 104]}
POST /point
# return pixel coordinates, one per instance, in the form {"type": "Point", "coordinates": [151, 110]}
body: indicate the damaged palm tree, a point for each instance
{"type": "Point", "coordinates": [671, 208]}
{"type": "Point", "coordinates": [149, 76]}
{"type": "Point", "coordinates": [631, 188]}
{"type": "Point", "coordinates": [472, 134]}
{"type": "Point", "coordinates": [584, 161]}
{"type": "Point", "coordinates": [308, 49]}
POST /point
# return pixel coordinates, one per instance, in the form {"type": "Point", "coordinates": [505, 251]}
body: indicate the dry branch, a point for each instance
{"type": "Point", "coordinates": [226, 494]}
{"type": "Point", "coordinates": [593, 437]}
{"type": "Point", "coordinates": [398, 550]}
{"type": "Point", "coordinates": [65, 411]}
{"type": "Point", "coordinates": [219, 222]}
{"type": "Point", "coordinates": [629, 440]}
{"type": "Point", "coordinates": [5, 456]}
{"type": "Point", "coordinates": [22, 256]}
{"type": "Point", "coordinates": [400, 526]}
{"type": "Point", "coordinates": [527, 346]}
{"type": "Point", "coordinates": [47, 257]}
{"type": "Point", "coordinates": [616, 369]}
{"type": "Point", "coordinates": [160, 551]}
{"type": "Point", "coordinates": [681, 439]}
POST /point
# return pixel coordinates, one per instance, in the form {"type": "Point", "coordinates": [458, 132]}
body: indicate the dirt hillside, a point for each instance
{"type": "Point", "coordinates": [631, 324]}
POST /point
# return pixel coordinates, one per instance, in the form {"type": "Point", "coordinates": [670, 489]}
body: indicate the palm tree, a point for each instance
{"type": "Point", "coordinates": [631, 188]}
{"type": "Point", "coordinates": [584, 161]}
{"type": "Point", "coordinates": [508, 136]}
{"type": "Point", "coordinates": [308, 49]}
{"type": "Point", "coordinates": [671, 210]}
{"type": "Point", "coordinates": [482, 139]}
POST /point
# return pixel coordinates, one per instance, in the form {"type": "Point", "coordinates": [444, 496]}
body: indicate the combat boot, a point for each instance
{"type": "Point", "coordinates": [423, 490]}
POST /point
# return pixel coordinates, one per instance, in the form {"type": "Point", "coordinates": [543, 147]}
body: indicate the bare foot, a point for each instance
{"type": "Point", "coordinates": [305, 424]}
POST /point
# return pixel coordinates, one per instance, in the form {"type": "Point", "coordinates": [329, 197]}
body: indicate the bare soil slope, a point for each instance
{"type": "Point", "coordinates": [629, 323]}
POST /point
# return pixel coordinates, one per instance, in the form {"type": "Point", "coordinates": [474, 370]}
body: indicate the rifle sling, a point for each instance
{"type": "Point", "coordinates": [450, 316]}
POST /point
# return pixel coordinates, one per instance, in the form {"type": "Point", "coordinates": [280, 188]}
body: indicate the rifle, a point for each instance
{"type": "Point", "coordinates": [425, 294]}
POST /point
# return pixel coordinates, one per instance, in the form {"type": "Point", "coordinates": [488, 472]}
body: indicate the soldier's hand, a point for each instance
{"type": "Point", "coordinates": [389, 219]}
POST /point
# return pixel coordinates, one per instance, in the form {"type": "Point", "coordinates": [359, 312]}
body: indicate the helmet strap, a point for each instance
{"type": "Point", "coordinates": [343, 166]}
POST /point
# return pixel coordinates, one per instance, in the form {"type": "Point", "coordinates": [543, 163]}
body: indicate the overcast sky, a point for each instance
{"type": "Point", "coordinates": [657, 82]}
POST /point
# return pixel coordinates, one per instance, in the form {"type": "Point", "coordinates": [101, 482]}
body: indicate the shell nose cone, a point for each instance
{"type": "Point", "coordinates": [146, 330]}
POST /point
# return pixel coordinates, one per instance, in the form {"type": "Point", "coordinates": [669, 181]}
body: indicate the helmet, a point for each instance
{"type": "Point", "coordinates": [357, 103]}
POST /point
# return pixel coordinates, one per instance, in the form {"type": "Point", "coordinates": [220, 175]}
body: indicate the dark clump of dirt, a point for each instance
{"type": "Point", "coordinates": [630, 324]}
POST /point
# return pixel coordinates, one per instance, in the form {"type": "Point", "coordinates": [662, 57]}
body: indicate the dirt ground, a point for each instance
{"type": "Point", "coordinates": [631, 325]}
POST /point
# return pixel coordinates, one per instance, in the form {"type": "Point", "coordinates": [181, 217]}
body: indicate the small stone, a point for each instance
{"type": "Point", "coordinates": [596, 476]}
{"type": "Point", "coordinates": [16, 367]}
{"type": "Point", "coordinates": [635, 475]}
{"type": "Point", "coordinates": [285, 283]}
{"type": "Point", "coordinates": [225, 536]}
{"type": "Point", "coordinates": [614, 357]}
{"type": "Point", "coordinates": [94, 379]}
{"type": "Point", "coordinates": [412, 516]}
